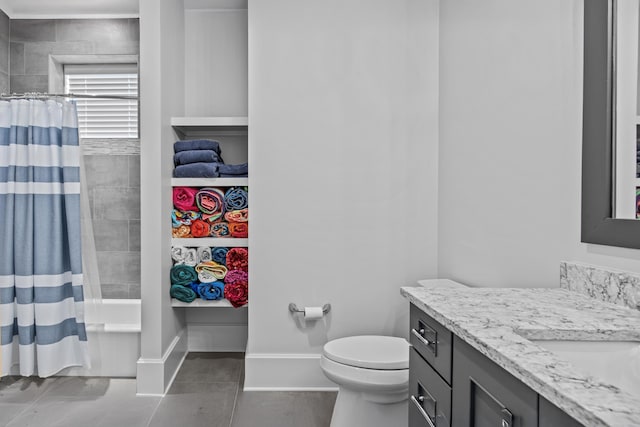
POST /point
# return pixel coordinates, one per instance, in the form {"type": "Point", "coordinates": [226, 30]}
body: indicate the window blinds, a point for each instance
{"type": "Point", "coordinates": [105, 118]}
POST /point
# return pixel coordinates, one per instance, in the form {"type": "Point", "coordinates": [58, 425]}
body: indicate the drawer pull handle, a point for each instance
{"type": "Point", "coordinates": [428, 341]}
{"type": "Point", "coordinates": [416, 401]}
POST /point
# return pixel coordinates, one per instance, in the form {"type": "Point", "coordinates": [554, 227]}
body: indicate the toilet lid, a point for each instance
{"type": "Point", "coordinates": [369, 351]}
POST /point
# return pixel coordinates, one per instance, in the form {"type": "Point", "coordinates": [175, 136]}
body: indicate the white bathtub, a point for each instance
{"type": "Point", "coordinates": [113, 332]}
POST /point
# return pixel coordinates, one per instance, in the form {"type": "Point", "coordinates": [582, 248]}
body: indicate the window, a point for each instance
{"type": "Point", "coordinates": [104, 118]}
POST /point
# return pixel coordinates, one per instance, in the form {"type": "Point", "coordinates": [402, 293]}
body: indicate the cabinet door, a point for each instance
{"type": "Point", "coordinates": [429, 395]}
{"type": "Point", "coordinates": [485, 395]}
{"type": "Point", "coordinates": [552, 416]}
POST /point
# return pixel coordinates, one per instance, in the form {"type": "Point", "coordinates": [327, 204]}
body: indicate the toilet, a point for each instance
{"type": "Point", "coordinates": [372, 374]}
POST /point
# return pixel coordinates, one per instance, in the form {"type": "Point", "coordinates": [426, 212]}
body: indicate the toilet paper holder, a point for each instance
{"type": "Point", "coordinates": [294, 308]}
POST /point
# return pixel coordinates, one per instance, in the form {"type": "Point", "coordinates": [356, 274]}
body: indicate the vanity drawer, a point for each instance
{"type": "Point", "coordinates": [429, 395]}
{"type": "Point", "coordinates": [432, 340]}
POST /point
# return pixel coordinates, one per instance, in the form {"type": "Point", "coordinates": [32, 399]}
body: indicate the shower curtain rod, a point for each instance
{"type": "Point", "coordinates": [38, 95]}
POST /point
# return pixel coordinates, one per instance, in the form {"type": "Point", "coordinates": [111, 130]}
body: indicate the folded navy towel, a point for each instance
{"type": "Point", "coordinates": [196, 144]}
{"type": "Point", "coordinates": [196, 170]}
{"type": "Point", "coordinates": [241, 169]}
{"type": "Point", "coordinates": [195, 156]}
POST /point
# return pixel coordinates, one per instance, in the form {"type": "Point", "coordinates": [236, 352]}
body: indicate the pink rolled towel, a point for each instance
{"type": "Point", "coordinates": [184, 198]}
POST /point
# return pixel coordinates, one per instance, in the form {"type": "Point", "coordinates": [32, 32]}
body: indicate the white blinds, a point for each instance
{"type": "Point", "coordinates": [105, 118]}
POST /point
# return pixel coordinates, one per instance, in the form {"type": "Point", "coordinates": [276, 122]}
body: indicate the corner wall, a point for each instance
{"type": "Point", "coordinates": [343, 152]}
{"type": "Point", "coordinates": [510, 144]}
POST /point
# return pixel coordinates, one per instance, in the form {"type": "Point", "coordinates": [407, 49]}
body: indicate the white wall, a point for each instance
{"type": "Point", "coordinates": [161, 65]}
{"type": "Point", "coordinates": [510, 144]}
{"type": "Point", "coordinates": [343, 155]}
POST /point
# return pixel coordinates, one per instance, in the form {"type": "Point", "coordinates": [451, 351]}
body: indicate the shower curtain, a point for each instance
{"type": "Point", "coordinates": [41, 297]}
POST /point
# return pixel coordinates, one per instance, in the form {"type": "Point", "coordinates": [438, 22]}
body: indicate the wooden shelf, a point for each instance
{"type": "Point", "coordinates": [207, 126]}
{"type": "Point", "coordinates": [211, 242]}
{"type": "Point", "coordinates": [201, 303]}
{"type": "Point", "coordinates": [210, 182]}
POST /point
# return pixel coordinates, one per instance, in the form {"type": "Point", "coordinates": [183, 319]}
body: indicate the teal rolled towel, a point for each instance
{"type": "Point", "coordinates": [182, 293]}
{"type": "Point", "coordinates": [182, 274]}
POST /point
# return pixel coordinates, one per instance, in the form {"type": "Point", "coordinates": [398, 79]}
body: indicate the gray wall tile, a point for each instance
{"type": "Point", "coordinates": [119, 267]}
{"type": "Point", "coordinates": [116, 203]}
{"type": "Point", "coordinates": [106, 171]}
{"type": "Point", "coordinates": [134, 291]}
{"type": "Point", "coordinates": [5, 26]}
{"type": "Point", "coordinates": [124, 47]}
{"type": "Point", "coordinates": [111, 235]}
{"type": "Point", "coordinates": [33, 30]}
{"type": "Point", "coordinates": [16, 58]}
{"type": "Point", "coordinates": [114, 290]}
{"type": "Point", "coordinates": [134, 171]}
{"type": "Point", "coordinates": [38, 83]}
{"type": "Point", "coordinates": [36, 55]}
{"type": "Point", "coordinates": [107, 30]}
{"type": "Point", "coordinates": [134, 235]}
{"type": "Point", "coordinates": [4, 83]}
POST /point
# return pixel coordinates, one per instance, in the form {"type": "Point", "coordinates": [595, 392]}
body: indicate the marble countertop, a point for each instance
{"type": "Point", "coordinates": [499, 322]}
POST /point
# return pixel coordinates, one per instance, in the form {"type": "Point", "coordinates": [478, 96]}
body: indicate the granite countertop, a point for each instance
{"type": "Point", "coordinates": [499, 322]}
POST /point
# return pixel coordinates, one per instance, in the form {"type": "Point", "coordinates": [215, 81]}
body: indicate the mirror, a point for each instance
{"type": "Point", "coordinates": [609, 130]}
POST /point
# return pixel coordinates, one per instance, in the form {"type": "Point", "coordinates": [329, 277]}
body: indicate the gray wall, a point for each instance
{"type": "Point", "coordinates": [4, 52]}
{"type": "Point", "coordinates": [112, 167]}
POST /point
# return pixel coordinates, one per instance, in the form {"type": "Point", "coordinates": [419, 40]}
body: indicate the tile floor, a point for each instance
{"type": "Point", "coordinates": [206, 392]}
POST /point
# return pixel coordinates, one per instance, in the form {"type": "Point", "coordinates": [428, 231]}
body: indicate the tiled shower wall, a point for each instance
{"type": "Point", "coordinates": [4, 52]}
{"type": "Point", "coordinates": [112, 166]}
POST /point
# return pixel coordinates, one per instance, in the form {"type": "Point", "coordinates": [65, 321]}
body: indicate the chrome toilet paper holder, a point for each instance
{"type": "Point", "coordinates": [294, 308]}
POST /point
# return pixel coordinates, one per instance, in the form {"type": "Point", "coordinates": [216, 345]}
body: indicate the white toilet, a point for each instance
{"type": "Point", "coordinates": [372, 373]}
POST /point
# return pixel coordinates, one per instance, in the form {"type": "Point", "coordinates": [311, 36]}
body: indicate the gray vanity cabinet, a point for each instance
{"type": "Point", "coordinates": [485, 395]}
{"type": "Point", "coordinates": [451, 384]}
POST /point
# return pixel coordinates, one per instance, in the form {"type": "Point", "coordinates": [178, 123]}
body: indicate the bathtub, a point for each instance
{"type": "Point", "coordinates": [113, 332]}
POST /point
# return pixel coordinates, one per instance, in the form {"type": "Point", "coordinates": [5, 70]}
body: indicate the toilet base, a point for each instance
{"type": "Point", "coordinates": [356, 409]}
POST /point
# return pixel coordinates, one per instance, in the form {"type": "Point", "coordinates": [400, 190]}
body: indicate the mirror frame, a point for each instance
{"type": "Point", "coordinates": [599, 225]}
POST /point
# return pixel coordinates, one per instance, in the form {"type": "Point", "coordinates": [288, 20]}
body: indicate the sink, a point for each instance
{"type": "Point", "coordinates": [612, 362]}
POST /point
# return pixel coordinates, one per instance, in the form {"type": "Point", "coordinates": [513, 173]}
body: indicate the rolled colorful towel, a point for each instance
{"type": "Point", "coordinates": [206, 276]}
{"type": "Point", "coordinates": [237, 293]}
{"type": "Point", "coordinates": [196, 156]}
{"type": "Point", "coordinates": [238, 259]}
{"type": "Point", "coordinates": [178, 254]}
{"type": "Point", "coordinates": [196, 170]}
{"type": "Point", "coordinates": [241, 169]}
{"type": "Point", "coordinates": [182, 274]}
{"type": "Point", "coordinates": [204, 254]}
{"type": "Point", "coordinates": [241, 215]}
{"type": "Point", "coordinates": [200, 228]}
{"type": "Point", "coordinates": [219, 255]}
{"type": "Point", "coordinates": [182, 293]}
{"type": "Point", "coordinates": [179, 217]}
{"type": "Point", "coordinates": [196, 144]}
{"type": "Point", "coordinates": [211, 291]}
{"type": "Point", "coordinates": [184, 198]}
{"type": "Point", "coordinates": [181, 232]}
{"type": "Point", "coordinates": [236, 198]}
{"type": "Point", "coordinates": [191, 257]}
{"type": "Point", "coordinates": [219, 271]}
{"type": "Point", "coordinates": [239, 229]}
{"type": "Point", "coordinates": [210, 201]}
{"type": "Point", "coordinates": [234, 276]}
{"type": "Point", "coordinates": [219, 229]}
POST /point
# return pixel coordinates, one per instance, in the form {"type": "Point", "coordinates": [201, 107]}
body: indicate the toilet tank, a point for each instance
{"type": "Point", "coordinates": [440, 283]}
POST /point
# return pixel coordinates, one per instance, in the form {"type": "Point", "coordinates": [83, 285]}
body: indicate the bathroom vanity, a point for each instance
{"type": "Point", "coordinates": [506, 357]}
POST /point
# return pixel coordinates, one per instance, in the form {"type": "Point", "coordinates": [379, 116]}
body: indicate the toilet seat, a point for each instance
{"type": "Point", "coordinates": [369, 352]}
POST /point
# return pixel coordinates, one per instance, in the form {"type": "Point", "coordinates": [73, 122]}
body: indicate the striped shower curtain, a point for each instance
{"type": "Point", "coordinates": [41, 299]}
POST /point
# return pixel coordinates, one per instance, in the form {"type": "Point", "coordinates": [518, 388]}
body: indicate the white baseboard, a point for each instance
{"type": "Point", "coordinates": [285, 372]}
{"type": "Point", "coordinates": [219, 338]}
{"type": "Point", "coordinates": [156, 375]}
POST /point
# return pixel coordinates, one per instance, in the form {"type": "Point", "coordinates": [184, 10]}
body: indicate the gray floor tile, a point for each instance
{"type": "Point", "coordinates": [210, 368]}
{"type": "Point", "coordinates": [195, 405]}
{"type": "Point", "coordinates": [23, 390]}
{"type": "Point", "coordinates": [283, 409]}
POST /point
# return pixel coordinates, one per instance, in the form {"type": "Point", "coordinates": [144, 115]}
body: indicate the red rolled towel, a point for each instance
{"type": "Point", "coordinates": [237, 293]}
{"type": "Point", "coordinates": [200, 228]}
{"type": "Point", "coordinates": [238, 259]}
{"type": "Point", "coordinates": [184, 198]}
{"type": "Point", "coordinates": [239, 229]}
